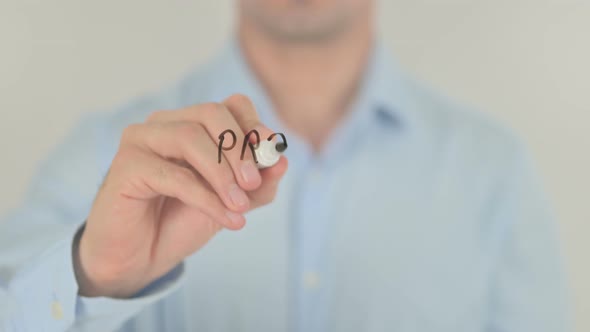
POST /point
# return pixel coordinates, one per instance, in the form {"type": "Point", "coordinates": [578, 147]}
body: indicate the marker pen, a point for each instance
{"type": "Point", "coordinates": [268, 153]}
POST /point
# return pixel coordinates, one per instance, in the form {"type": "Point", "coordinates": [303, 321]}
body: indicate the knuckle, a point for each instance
{"type": "Point", "coordinates": [248, 154]}
{"type": "Point", "coordinates": [163, 174]}
{"type": "Point", "coordinates": [210, 109]}
{"type": "Point", "coordinates": [239, 99]}
{"type": "Point", "coordinates": [130, 132]}
{"type": "Point", "coordinates": [125, 158]}
{"type": "Point", "coordinates": [224, 174]}
{"type": "Point", "coordinates": [123, 155]}
{"type": "Point", "coordinates": [156, 116]}
{"type": "Point", "coordinates": [184, 175]}
{"type": "Point", "coordinates": [160, 172]}
{"type": "Point", "coordinates": [214, 227]}
{"type": "Point", "coordinates": [189, 131]}
{"type": "Point", "coordinates": [220, 176]}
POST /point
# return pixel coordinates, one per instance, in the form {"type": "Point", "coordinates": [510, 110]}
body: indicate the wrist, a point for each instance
{"type": "Point", "coordinates": [85, 287]}
{"type": "Point", "coordinates": [89, 281]}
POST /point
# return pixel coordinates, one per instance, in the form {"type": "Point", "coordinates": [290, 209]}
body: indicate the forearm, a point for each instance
{"type": "Point", "coordinates": [39, 289]}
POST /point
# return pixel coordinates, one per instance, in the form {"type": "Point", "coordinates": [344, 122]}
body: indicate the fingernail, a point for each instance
{"type": "Point", "coordinates": [235, 218]}
{"type": "Point", "coordinates": [238, 196]}
{"type": "Point", "coordinates": [250, 172]}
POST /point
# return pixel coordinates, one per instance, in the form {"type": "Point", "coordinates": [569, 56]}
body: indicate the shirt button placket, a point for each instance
{"type": "Point", "coordinates": [312, 239]}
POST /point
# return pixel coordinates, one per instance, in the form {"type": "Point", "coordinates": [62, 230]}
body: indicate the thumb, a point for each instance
{"type": "Point", "coordinates": [271, 178]}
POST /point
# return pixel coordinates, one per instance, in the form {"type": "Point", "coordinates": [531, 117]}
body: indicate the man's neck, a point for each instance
{"type": "Point", "coordinates": [311, 85]}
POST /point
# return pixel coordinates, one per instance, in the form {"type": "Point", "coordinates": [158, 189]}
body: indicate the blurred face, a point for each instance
{"type": "Point", "coordinates": [304, 20]}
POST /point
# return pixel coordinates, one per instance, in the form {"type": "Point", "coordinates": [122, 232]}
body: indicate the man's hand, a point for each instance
{"type": "Point", "coordinates": [166, 195]}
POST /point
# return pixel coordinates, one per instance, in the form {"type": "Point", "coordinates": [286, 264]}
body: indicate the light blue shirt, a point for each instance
{"type": "Point", "coordinates": [418, 216]}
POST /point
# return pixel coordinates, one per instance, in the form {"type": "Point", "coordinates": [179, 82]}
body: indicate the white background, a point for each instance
{"type": "Point", "coordinates": [525, 61]}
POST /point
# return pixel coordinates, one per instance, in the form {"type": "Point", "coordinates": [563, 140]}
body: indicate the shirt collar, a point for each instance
{"type": "Point", "coordinates": [382, 88]}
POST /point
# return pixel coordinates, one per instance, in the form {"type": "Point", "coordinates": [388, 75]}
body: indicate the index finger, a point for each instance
{"type": "Point", "coordinates": [243, 110]}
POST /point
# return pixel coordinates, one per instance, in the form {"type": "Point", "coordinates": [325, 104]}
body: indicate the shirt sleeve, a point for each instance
{"type": "Point", "coordinates": [38, 288]}
{"type": "Point", "coordinates": [529, 292]}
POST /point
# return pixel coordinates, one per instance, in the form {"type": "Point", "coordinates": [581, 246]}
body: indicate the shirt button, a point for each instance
{"type": "Point", "coordinates": [57, 311]}
{"type": "Point", "coordinates": [311, 280]}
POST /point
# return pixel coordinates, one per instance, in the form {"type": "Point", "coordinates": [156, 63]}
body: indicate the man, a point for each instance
{"type": "Point", "coordinates": [400, 210]}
